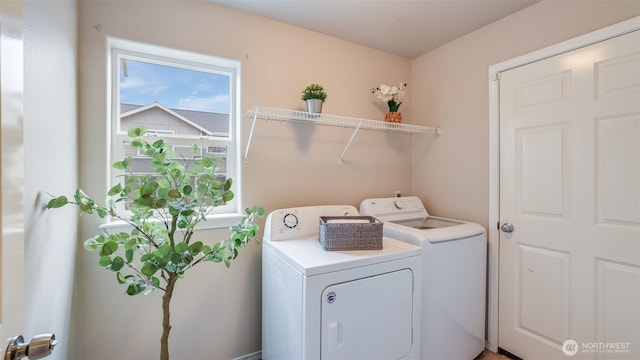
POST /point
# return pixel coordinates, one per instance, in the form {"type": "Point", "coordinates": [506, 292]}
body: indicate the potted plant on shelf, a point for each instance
{"type": "Point", "coordinates": [163, 210]}
{"type": "Point", "coordinates": [392, 95]}
{"type": "Point", "coordinates": [314, 95]}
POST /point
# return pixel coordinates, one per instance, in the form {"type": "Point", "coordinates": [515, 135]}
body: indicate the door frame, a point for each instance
{"type": "Point", "coordinates": [606, 33]}
{"type": "Point", "coordinates": [12, 284]}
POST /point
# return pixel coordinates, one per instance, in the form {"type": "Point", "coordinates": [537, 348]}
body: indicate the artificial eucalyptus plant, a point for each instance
{"type": "Point", "coordinates": [162, 210]}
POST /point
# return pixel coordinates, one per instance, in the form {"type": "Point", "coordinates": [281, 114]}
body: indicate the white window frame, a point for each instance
{"type": "Point", "coordinates": [222, 216]}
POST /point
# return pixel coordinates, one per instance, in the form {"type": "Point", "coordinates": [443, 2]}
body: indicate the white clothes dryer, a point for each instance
{"type": "Point", "coordinates": [318, 304]}
{"type": "Point", "coordinates": [454, 278]}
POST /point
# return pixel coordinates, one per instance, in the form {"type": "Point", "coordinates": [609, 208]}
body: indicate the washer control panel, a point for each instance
{"type": "Point", "coordinates": [394, 208]}
{"type": "Point", "coordinates": [399, 204]}
{"type": "Point", "coordinates": [302, 222]}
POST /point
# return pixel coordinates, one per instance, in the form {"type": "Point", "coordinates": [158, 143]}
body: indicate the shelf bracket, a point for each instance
{"type": "Point", "coordinates": [349, 143]}
{"type": "Point", "coordinates": [253, 126]}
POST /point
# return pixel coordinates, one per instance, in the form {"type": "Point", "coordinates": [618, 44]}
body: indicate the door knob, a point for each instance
{"type": "Point", "coordinates": [39, 347]}
{"type": "Point", "coordinates": [507, 227]}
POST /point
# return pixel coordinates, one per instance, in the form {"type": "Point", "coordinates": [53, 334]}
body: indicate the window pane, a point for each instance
{"type": "Point", "coordinates": [182, 98]}
{"type": "Point", "coordinates": [172, 100]}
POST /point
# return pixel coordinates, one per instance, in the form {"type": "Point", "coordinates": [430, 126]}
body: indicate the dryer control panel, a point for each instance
{"type": "Point", "coordinates": [302, 222]}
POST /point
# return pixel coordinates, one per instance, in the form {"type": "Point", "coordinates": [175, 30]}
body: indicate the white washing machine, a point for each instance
{"type": "Point", "coordinates": [454, 278]}
{"type": "Point", "coordinates": [319, 304]}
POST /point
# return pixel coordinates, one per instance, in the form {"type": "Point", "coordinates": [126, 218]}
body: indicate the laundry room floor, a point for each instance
{"type": "Point", "coordinates": [489, 355]}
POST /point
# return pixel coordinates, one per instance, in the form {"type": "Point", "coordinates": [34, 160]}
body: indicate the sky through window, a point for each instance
{"type": "Point", "coordinates": [143, 83]}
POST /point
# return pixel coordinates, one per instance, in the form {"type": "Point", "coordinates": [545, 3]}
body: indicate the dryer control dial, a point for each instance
{"type": "Point", "coordinates": [399, 204]}
{"type": "Point", "coordinates": [290, 220]}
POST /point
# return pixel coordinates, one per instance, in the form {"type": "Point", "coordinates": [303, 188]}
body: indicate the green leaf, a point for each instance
{"type": "Point", "coordinates": [202, 187]}
{"type": "Point", "coordinates": [207, 162]}
{"type": "Point", "coordinates": [257, 210]}
{"type": "Point", "coordinates": [164, 249]}
{"type": "Point", "coordinates": [117, 264]}
{"type": "Point", "coordinates": [121, 279]}
{"type": "Point", "coordinates": [121, 165]}
{"type": "Point", "coordinates": [146, 201]}
{"type": "Point", "coordinates": [187, 189]}
{"type": "Point", "coordinates": [187, 213]}
{"type": "Point", "coordinates": [148, 269]}
{"type": "Point", "coordinates": [102, 212]}
{"type": "Point", "coordinates": [146, 257]}
{"type": "Point", "coordinates": [108, 248]}
{"type": "Point", "coordinates": [130, 244]}
{"type": "Point", "coordinates": [136, 288]}
{"type": "Point", "coordinates": [158, 166]}
{"type": "Point", "coordinates": [137, 131]}
{"type": "Point", "coordinates": [175, 194]}
{"type": "Point", "coordinates": [137, 143]}
{"type": "Point", "coordinates": [163, 192]}
{"type": "Point", "coordinates": [129, 255]}
{"type": "Point", "coordinates": [227, 184]}
{"type": "Point", "coordinates": [84, 201]}
{"type": "Point", "coordinates": [115, 190]}
{"type": "Point", "coordinates": [158, 144]}
{"type": "Point", "coordinates": [181, 247]}
{"type": "Point", "coordinates": [164, 183]}
{"type": "Point", "coordinates": [90, 244]}
{"type": "Point", "coordinates": [148, 189]}
{"type": "Point", "coordinates": [196, 247]}
{"type": "Point", "coordinates": [58, 202]}
{"type": "Point", "coordinates": [104, 261]}
{"type": "Point", "coordinates": [183, 224]}
{"type": "Point", "coordinates": [176, 173]}
{"type": "Point", "coordinates": [118, 165]}
{"type": "Point", "coordinates": [186, 258]}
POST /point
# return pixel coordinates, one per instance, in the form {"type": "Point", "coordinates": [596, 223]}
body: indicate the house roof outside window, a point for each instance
{"type": "Point", "coordinates": [182, 122]}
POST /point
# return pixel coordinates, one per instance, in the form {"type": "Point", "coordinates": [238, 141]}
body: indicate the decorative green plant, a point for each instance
{"type": "Point", "coordinates": [314, 91]}
{"type": "Point", "coordinates": [163, 211]}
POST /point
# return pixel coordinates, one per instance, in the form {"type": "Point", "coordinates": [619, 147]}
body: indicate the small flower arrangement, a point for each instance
{"type": "Point", "coordinates": [392, 95]}
{"type": "Point", "coordinates": [314, 91]}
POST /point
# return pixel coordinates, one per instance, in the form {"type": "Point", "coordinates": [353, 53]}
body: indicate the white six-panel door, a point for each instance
{"type": "Point", "coordinates": [570, 186]}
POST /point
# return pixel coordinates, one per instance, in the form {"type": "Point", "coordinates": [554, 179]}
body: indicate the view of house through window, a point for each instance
{"type": "Point", "coordinates": [182, 98]}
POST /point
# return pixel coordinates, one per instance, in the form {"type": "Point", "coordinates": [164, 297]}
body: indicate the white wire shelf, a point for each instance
{"type": "Point", "coordinates": [270, 113]}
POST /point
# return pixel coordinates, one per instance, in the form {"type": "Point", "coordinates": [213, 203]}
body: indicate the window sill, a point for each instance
{"type": "Point", "coordinates": [215, 221]}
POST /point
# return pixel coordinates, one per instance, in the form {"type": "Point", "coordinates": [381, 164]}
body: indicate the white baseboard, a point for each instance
{"type": "Point", "coordinates": [254, 356]}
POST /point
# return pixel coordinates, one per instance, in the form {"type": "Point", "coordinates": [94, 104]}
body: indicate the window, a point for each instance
{"type": "Point", "coordinates": [180, 97]}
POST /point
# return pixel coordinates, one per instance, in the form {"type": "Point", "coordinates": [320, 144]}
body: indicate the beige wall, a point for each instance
{"type": "Point", "coordinates": [216, 312]}
{"type": "Point", "coordinates": [451, 174]}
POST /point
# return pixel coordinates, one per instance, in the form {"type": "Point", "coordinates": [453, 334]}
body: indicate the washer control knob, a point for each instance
{"type": "Point", "coordinates": [290, 220]}
{"type": "Point", "coordinates": [399, 204]}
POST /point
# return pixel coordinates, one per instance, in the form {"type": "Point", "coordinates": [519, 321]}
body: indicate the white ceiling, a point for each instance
{"type": "Point", "coordinates": [408, 28]}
